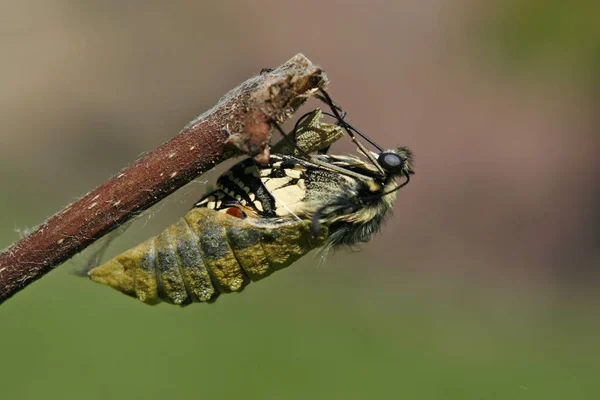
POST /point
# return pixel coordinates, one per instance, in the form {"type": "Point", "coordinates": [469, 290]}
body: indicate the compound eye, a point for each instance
{"type": "Point", "coordinates": [391, 162]}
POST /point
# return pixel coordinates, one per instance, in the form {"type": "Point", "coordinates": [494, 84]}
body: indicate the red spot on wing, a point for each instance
{"type": "Point", "coordinates": [235, 212]}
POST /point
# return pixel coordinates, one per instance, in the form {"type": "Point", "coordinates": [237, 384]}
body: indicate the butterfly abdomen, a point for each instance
{"type": "Point", "coordinates": [204, 254]}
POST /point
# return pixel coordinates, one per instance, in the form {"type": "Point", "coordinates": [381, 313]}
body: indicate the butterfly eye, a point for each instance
{"type": "Point", "coordinates": [391, 162]}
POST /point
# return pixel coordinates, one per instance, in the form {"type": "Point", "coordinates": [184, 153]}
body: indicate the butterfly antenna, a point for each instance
{"type": "Point", "coordinates": [335, 109]}
{"type": "Point", "coordinates": [350, 126]}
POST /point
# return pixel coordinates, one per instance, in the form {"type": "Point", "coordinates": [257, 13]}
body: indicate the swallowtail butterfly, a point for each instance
{"type": "Point", "coordinates": [263, 217]}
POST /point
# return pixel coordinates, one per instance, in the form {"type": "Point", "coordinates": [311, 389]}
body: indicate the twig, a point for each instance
{"type": "Point", "coordinates": [240, 122]}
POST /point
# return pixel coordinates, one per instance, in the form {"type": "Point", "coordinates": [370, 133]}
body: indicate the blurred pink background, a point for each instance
{"type": "Point", "coordinates": [505, 193]}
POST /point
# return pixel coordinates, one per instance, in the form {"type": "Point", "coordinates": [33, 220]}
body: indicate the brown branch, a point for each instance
{"type": "Point", "coordinates": [239, 122]}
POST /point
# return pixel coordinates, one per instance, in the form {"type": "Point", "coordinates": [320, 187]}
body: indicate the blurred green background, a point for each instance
{"type": "Point", "coordinates": [483, 284]}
